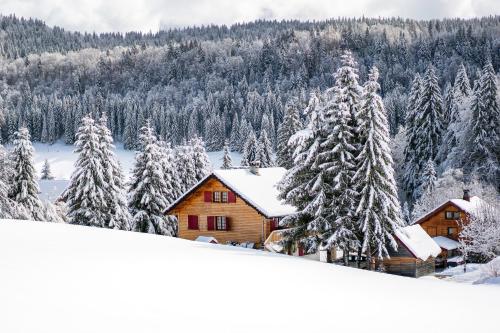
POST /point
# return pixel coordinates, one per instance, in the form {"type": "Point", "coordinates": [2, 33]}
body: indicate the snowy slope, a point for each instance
{"type": "Point", "coordinates": [62, 159]}
{"type": "Point", "coordinates": [60, 278]}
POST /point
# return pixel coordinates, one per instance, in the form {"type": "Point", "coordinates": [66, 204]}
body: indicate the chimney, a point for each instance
{"type": "Point", "coordinates": [466, 195]}
{"type": "Point", "coordinates": [254, 167]}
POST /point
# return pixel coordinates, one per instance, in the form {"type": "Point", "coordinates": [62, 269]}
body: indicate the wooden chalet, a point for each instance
{"type": "Point", "coordinates": [232, 206]}
{"type": "Point", "coordinates": [443, 223]}
{"type": "Point", "coordinates": [415, 255]}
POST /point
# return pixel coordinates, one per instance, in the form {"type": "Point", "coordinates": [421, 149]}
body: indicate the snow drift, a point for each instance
{"type": "Point", "coordinates": [63, 278]}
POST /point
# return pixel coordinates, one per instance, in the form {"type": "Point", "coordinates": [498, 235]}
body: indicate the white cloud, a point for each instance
{"type": "Point", "coordinates": [145, 15]}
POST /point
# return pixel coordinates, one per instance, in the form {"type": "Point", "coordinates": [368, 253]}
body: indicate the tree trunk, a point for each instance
{"type": "Point", "coordinates": [368, 257]}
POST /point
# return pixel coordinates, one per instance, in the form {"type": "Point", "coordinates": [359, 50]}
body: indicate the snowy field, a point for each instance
{"type": "Point", "coordinates": [62, 278]}
{"type": "Point", "coordinates": [62, 159]}
{"type": "Point", "coordinates": [475, 274]}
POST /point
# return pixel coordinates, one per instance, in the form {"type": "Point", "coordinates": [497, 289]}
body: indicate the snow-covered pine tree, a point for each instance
{"type": "Point", "coordinates": [265, 151]}
{"type": "Point", "coordinates": [250, 150]}
{"type": "Point", "coordinates": [9, 209]}
{"type": "Point", "coordinates": [411, 163]}
{"type": "Point", "coordinates": [85, 196]}
{"type": "Point", "coordinates": [185, 167]}
{"type": "Point", "coordinates": [46, 172]}
{"type": "Point", "coordinates": [483, 137]}
{"type": "Point", "coordinates": [406, 214]}
{"type": "Point", "coordinates": [428, 179]}
{"type": "Point", "coordinates": [170, 172]}
{"type": "Point", "coordinates": [148, 189]}
{"type": "Point", "coordinates": [235, 138]}
{"type": "Point", "coordinates": [227, 162]}
{"type": "Point", "coordinates": [302, 186]}
{"type": "Point", "coordinates": [24, 187]}
{"type": "Point", "coordinates": [461, 87]}
{"type": "Point", "coordinates": [429, 123]}
{"type": "Point", "coordinates": [117, 215]}
{"type": "Point", "coordinates": [379, 211]}
{"type": "Point", "coordinates": [290, 125]}
{"type": "Point", "coordinates": [202, 165]}
{"type": "Point", "coordinates": [337, 154]}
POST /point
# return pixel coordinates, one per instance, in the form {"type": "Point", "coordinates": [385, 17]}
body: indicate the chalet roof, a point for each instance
{"type": "Point", "coordinates": [259, 191]}
{"type": "Point", "coordinates": [470, 207]}
{"type": "Point", "coordinates": [420, 244]}
{"type": "Point", "coordinates": [446, 243]}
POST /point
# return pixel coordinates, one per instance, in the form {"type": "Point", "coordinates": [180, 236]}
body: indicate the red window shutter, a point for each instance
{"type": "Point", "coordinates": [193, 222]}
{"type": "Point", "coordinates": [210, 222]}
{"type": "Point", "coordinates": [228, 224]}
{"type": "Point", "coordinates": [231, 197]}
{"type": "Point", "coordinates": [207, 196]}
{"type": "Point", "coordinates": [301, 251]}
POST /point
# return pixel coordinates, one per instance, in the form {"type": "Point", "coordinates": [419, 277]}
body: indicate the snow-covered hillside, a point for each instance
{"type": "Point", "coordinates": [62, 159]}
{"type": "Point", "coordinates": [63, 278]}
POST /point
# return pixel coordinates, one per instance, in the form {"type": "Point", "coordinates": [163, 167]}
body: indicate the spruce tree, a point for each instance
{"type": "Point", "coordinates": [235, 138]}
{"type": "Point", "coordinates": [483, 136]}
{"type": "Point", "coordinates": [378, 209]}
{"type": "Point", "coordinates": [202, 166]}
{"type": "Point", "coordinates": [185, 167]}
{"type": "Point", "coordinates": [24, 187]}
{"type": "Point", "coordinates": [290, 125]}
{"type": "Point", "coordinates": [148, 190]}
{"type": "Point", "coordinates": [116, 215]}
{"type": "Point", "coordinates": [85, 196]}
{"type": "Point", "coordinates": [428, 179]}
{"type": "Point", "coordinates": [227, 162]}
{"type": "Point", "coordinates": [46, 172]}
{"type": "Point", "coordinates": [461, 87]}
{"type": "Point", "coordinates": [264, 151]}
{"type": "Point", "coordinates": [250, 150]}
{"type": "Point", "coordinates": [411, 162]}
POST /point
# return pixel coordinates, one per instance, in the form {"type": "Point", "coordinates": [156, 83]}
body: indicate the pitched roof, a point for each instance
{"type": "Point", "coordinates": [470, 207]}
{"type": "Point", "coordinates": [420, 244]}
{"type": "Point", "coordinates": [259, 191]}
{"type": "Point", "coordinates": [446, 243]}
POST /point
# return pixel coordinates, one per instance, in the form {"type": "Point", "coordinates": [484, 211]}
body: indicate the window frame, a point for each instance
{"type": "Point", "coordinates": [224, 197]}
{"type": "Point", "coordinates": [451, 229]}
{"type": "Point", "coordinates": [216, 196]}
{"type": "Point", "coordinates": [453, 215]}
{"type": "Point", "coordinates": [223, 223]}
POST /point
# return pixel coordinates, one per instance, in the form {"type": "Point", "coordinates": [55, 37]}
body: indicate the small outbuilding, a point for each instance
{"type": "Point", "coordinates": [206, 239]}
{"type": "Point", "coordinates": [416, 253]}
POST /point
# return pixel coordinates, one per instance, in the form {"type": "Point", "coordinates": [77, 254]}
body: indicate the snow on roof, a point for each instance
{"type": "Point", "coordinates": [470, 207]}
{"type": "Point", "coordinates": [258, 190]}
{"type": "Point", "coordinates": [418, 242]}
{"type": "Point", "coordinates": [446, 243]}
{"type": "Point", "coordinates": [206, 239]}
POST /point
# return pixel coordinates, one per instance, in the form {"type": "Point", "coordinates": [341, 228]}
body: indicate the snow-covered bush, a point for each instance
{"type": "Point", "coordinates": [491, 269]}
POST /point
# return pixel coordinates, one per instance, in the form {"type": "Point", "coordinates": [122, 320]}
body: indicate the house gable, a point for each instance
{"type": "Point", "coordinates": [436, 224]}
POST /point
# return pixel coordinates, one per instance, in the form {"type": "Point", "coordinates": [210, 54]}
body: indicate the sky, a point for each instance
{"type": "Point", "coordinates": [150, 15]}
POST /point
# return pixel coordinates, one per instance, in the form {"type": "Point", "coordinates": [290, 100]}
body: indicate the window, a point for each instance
{"type": "Point", "coordinates": [193, 222]}
{"type": "Point", "coordinates": [220, 223]}
{"type": "Point", "coordinates": [224, 196]}
{"type": "Point", "coordinates": [452, 231]}
{"type": "Point", "coordinates": [452, 215]}
{"type": "Point", "coordinates": [216, 196]}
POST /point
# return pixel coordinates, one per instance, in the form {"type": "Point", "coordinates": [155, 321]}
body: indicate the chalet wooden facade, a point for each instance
{"type": "Point", "coordinates": [232, 206]}
{"type": "Point", "coordinates": [444, 223]}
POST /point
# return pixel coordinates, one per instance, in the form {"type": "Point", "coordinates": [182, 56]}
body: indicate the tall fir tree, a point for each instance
{"type": "Point", "coordinates": [227, 162]}
{"type": "Point", "coordinates": [411, 162]}
{"type": "Point", "coordinates": [117, 215]}
{"type": "Point", "coordinates": [250, 150]}
{"type": "Point", "coordinates": [378, 209]}
{"type": "Point", "coordinates": [482, 155]}
{"type": "Point", "coordinates": [85, 196]}
{"type": "Point", "coordinates": [24, 187]}
{"type": "Point", "coordinates": [148, 190]}
{"type": "Point", "coordinates": [185, 167]}
{"type": "Point", "coordinates": [264, 151]}
{"type": "Point", "coordinates": [429, 179]}
{"type": "Point", "coordinates": [235, 137]}
{"type": "Point", "coordinates": [202, 165]}
{"type": "Point", "coordinates": [290, 125]}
